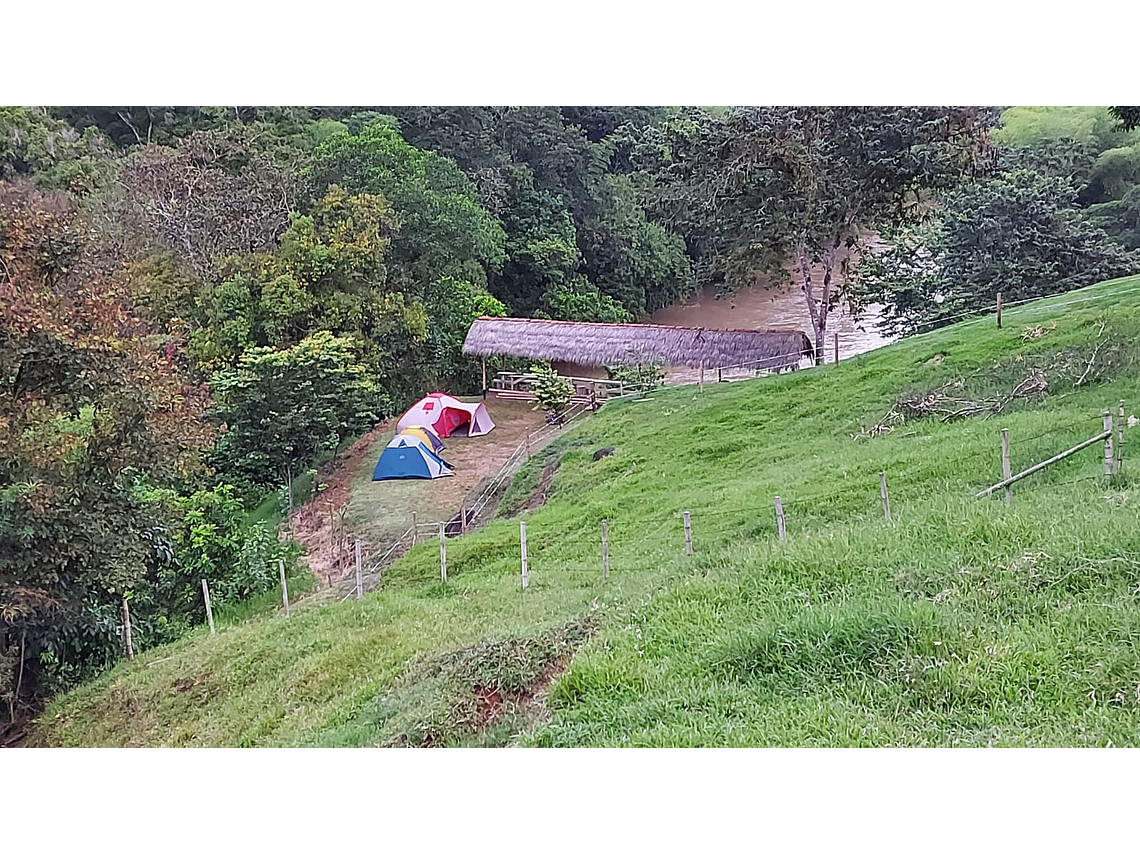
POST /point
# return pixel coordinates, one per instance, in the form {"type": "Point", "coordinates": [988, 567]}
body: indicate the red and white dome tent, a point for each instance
{"type": "Point", "coordinates": [447, 416]}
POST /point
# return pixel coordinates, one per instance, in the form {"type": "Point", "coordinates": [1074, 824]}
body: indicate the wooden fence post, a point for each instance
{"type": "Point", "coordinates": [1006, 471]}
{"type": "Point", "coordinates": [128, 643]}
{"type": "Point", "coordinates": [415, 529]}
{"type": "Point", "coordinates": [209, 611]}
{"type": "Point", "coordinates": [1108, 457]}
{"type": "Point", "coordinates": [701, 381]}
{"type": "Point", "coordinates": [688, 533]}
{"type": "Point", "coordinates": [885, 497]}
{"type": "Point", "coordinates": [783, 532]}
{"type": "Point", "coordinates": [835, 338]}
{"type": "Point", "coordinates": [1118, 452]}
{"type": "Point", "coordinates": [442, 554]}
{"type": "Point", "coordinates": [528, 445]}
{"type": "Point", "coordinates": [605, 550]}
{"type": "Point", "coordinates": [463, 519]}
{"type": "Point", "coordinates": [522, 548]}
{"type": "Point", "coordinates": [359, 573]}
{"type": "Point", "coordinates": [284, 589]}
{"type": "Point", "coordinates": [719, 379]}
{"type": "Point", "coordinates": [999, 310]}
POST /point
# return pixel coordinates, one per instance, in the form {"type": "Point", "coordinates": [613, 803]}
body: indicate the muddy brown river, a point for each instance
{"type": "Point", "coordinates": [764, 306]}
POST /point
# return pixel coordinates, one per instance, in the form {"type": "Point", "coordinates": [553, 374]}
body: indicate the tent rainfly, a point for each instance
{"type": "Point", "coordinates": [446, 415]}
{"type": "Point", "coordinates": [410, 457]}
{"type": "Point", "coordinates": [427, 435]}
{"type": "Point", "coordinates": [624, 344]}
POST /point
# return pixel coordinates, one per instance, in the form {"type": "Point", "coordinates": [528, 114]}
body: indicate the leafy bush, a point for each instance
{"type": "Point", "coordinates": [552, 392]}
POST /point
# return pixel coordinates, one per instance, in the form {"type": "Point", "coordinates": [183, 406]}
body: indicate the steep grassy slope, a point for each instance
{"type": "Point", "coordinates": [961, 622]}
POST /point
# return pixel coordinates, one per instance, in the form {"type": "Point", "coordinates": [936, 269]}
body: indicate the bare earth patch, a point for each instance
{"type": "Point", "coordinates": [316, 524]}
{"type": "Point", "coordinates": [381, 511]}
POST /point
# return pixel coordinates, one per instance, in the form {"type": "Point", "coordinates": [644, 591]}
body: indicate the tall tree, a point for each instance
{"type": "Point", "coordinates": [214, 193]}
{"type": "Point", "coordinates": [92, 406]}
{"type": "Point", "coordinates": [1129, 117]}
{"type": "Point", "coordinates": [1018, 232]}
{"type": "Point", "coordinates": [800, 184]}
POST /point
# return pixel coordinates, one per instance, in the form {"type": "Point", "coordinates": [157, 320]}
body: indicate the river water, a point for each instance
{"type": "Point", "coordinates": [765, 305]}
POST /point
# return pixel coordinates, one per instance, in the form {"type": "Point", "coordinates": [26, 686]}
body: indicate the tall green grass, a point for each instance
{"type": "Point", "coordinates": [961, 622]}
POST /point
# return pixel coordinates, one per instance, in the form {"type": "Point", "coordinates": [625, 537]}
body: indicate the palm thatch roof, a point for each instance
{"type": "Point", "coordinates": [617, 344]}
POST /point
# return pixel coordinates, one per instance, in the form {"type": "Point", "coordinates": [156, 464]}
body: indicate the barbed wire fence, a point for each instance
{"type": "Point", "coordinates": [687, 529]}
{"type": "Point", "coordinates": [472, 512]}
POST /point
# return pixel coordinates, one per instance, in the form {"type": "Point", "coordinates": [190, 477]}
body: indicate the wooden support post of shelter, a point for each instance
{"type": "Point", "coordinates": [605, 550]}
{"type": "Point", "coordinates": [883, 495]}
{"type": "Point", "coordinates": [359, 572]}
{"type": "Point", "coordinates": [780, 528]}
{"type": "Point", "coordinates": [442, 554]}
{"type": "Point", "coordinates": [1108, 461]}
{"type": "Point", "coordinates": [999, 310]}
{"type": "Point", "coordinates": [688, 532]}
{"type": "Point", "coordinates": [284, 588]}
{"type": "Point", "coordinates": [127, 642]}
{"type": "Point", "coordinates": [206, 600]}
{"type": "Point", "coordinates": [1005, 465]}
{"type": "Point", "coordinates": [484, 378]}
{"type": "Point", "coordinates": [522, 554]}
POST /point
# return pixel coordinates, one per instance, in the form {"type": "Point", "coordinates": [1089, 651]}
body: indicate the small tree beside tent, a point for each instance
{"type": "Point", "coordinates": [283, 408]}
{"type": "Point", "coordinates": [551, 391]}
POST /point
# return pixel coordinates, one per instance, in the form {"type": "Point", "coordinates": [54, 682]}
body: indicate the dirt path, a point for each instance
{"type": "Point", "coordinates": [381, 511]}
{"type": "Point", "coordinates": [318, 525]}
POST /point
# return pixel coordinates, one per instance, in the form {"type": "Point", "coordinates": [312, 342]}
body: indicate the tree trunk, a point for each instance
{"type": "Point", "coordinates": [818, 313]}
{"type": "Point", "coordinates": [824, 308]}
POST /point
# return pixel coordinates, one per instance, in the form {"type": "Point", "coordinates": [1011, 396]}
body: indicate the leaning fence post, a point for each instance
{"type": "Point", "coordinates": [442, 553]}
{"type": "Point", "coordinates": [522, 553]}
{"type": "Point", "coordinates": [688, 533]}
{"type": "Point", "coordinates": [605, 550]}
{"type": "Point", "coordinates": [284, 589]}
{"type": "Point", "coordinates": [999, 310]}
{"type": "Point", "coordinates": [1108, 457]}
{"type": "Point", "coordinates": [783, 532]}
{"type": "Point", "coordinates": [1118, 452]}
{"type": "Point", "coordinates": [209, 611]}
{"type": "Point", "coordinates": [1005, 465]}
{"type": "Point", "coordinates": [126, 630]}
{"type": "Point", "coordinates": [359, 573]}
{"type": "Point", "coordinates": [415, 528]}
{"type": "Point", "coordinates": [883, 494]}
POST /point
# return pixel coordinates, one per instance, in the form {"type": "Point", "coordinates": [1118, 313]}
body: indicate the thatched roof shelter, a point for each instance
{"type": "Point", "coordinates": [617, 344]}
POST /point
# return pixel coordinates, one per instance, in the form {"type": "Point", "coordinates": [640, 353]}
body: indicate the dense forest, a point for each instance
{"type": "Point", "coordinates": [197, 305]}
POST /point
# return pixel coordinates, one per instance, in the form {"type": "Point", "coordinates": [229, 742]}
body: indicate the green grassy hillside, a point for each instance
{"type": "Point", "coordinates": [960, 622]}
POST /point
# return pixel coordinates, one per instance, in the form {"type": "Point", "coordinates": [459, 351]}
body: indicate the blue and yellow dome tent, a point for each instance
{"type": "Point", "coordinates": [410, 457]}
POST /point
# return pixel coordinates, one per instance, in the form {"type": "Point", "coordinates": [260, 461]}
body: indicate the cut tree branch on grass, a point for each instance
{"type": "Point", "coordinates": [1100, 340]}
